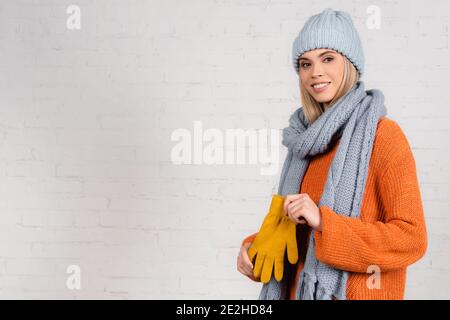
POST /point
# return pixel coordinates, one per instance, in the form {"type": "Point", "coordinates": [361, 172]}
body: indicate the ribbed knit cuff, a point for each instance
{"type": "Point", "coordinates": [323, 237]}
{"type": "Point", "coordinates": [332, 247]}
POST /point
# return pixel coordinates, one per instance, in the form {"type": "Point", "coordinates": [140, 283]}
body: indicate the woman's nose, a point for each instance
{"type": "Point", "coordinates": [317, 70]}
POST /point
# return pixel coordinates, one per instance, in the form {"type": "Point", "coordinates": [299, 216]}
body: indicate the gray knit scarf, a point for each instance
{"type": "Point", "coordinates": [353, 118]}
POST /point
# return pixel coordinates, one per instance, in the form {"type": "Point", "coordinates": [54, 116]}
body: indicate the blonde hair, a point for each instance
{"type": "Point", "coordinates": [314, 109]}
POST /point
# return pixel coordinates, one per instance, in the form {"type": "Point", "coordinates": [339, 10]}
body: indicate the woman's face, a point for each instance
{"type": "Point", "coordinates": [324, 67]}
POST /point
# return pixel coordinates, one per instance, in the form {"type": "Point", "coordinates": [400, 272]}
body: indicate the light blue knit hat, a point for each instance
{"type": "Point", "coordinates": [333, 30]}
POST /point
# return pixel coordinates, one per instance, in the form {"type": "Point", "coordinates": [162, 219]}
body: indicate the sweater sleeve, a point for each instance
{"type": "Point", "coordinates": [250, 238]}
{"type": "Point", "coordinates": [397, 241]}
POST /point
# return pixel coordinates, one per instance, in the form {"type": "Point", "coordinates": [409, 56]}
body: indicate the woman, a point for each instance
{"type": "Point", "coordinates": [349, 181]}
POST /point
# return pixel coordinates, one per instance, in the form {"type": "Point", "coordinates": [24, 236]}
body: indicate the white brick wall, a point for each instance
{"type": "Point", "coordinates": [86, 118]}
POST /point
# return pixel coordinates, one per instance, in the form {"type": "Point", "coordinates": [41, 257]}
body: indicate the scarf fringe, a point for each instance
{"type": "Point", "coordinates": [311, 289]}
{"type": "Point", "coordinates": [273, 290]}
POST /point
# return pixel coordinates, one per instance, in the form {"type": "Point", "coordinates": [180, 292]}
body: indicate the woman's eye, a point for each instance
{"type": "Point", "coordinates": [306, 64]}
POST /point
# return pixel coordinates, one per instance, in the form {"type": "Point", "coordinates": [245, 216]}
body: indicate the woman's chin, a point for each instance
{"type": "Point", "coordinates": [321, 99]}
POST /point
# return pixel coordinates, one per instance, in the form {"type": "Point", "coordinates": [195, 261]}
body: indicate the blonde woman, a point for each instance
{"type": "Point", "coordinates": [348, 184]}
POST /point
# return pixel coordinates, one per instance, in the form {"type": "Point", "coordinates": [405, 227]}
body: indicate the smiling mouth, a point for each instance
{"type": "Point", "coordinates": [320, 85]}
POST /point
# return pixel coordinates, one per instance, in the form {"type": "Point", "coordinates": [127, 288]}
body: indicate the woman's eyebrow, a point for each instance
{"type": "Point", "coordinates": [323, 53]}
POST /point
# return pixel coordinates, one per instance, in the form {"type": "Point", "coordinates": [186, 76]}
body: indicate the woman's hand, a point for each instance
{"type": "Point", "coordinates": [244, 265]}
{"type": "Point", "coordinates": [301, 209]}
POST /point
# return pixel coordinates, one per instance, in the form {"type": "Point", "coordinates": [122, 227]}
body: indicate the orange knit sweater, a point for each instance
{"type": "Point", "coordinates": [390, 232]}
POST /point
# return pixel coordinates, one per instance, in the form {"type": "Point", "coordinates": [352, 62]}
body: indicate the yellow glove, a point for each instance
{"type": "Point", "coordinates": [277, 233]}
